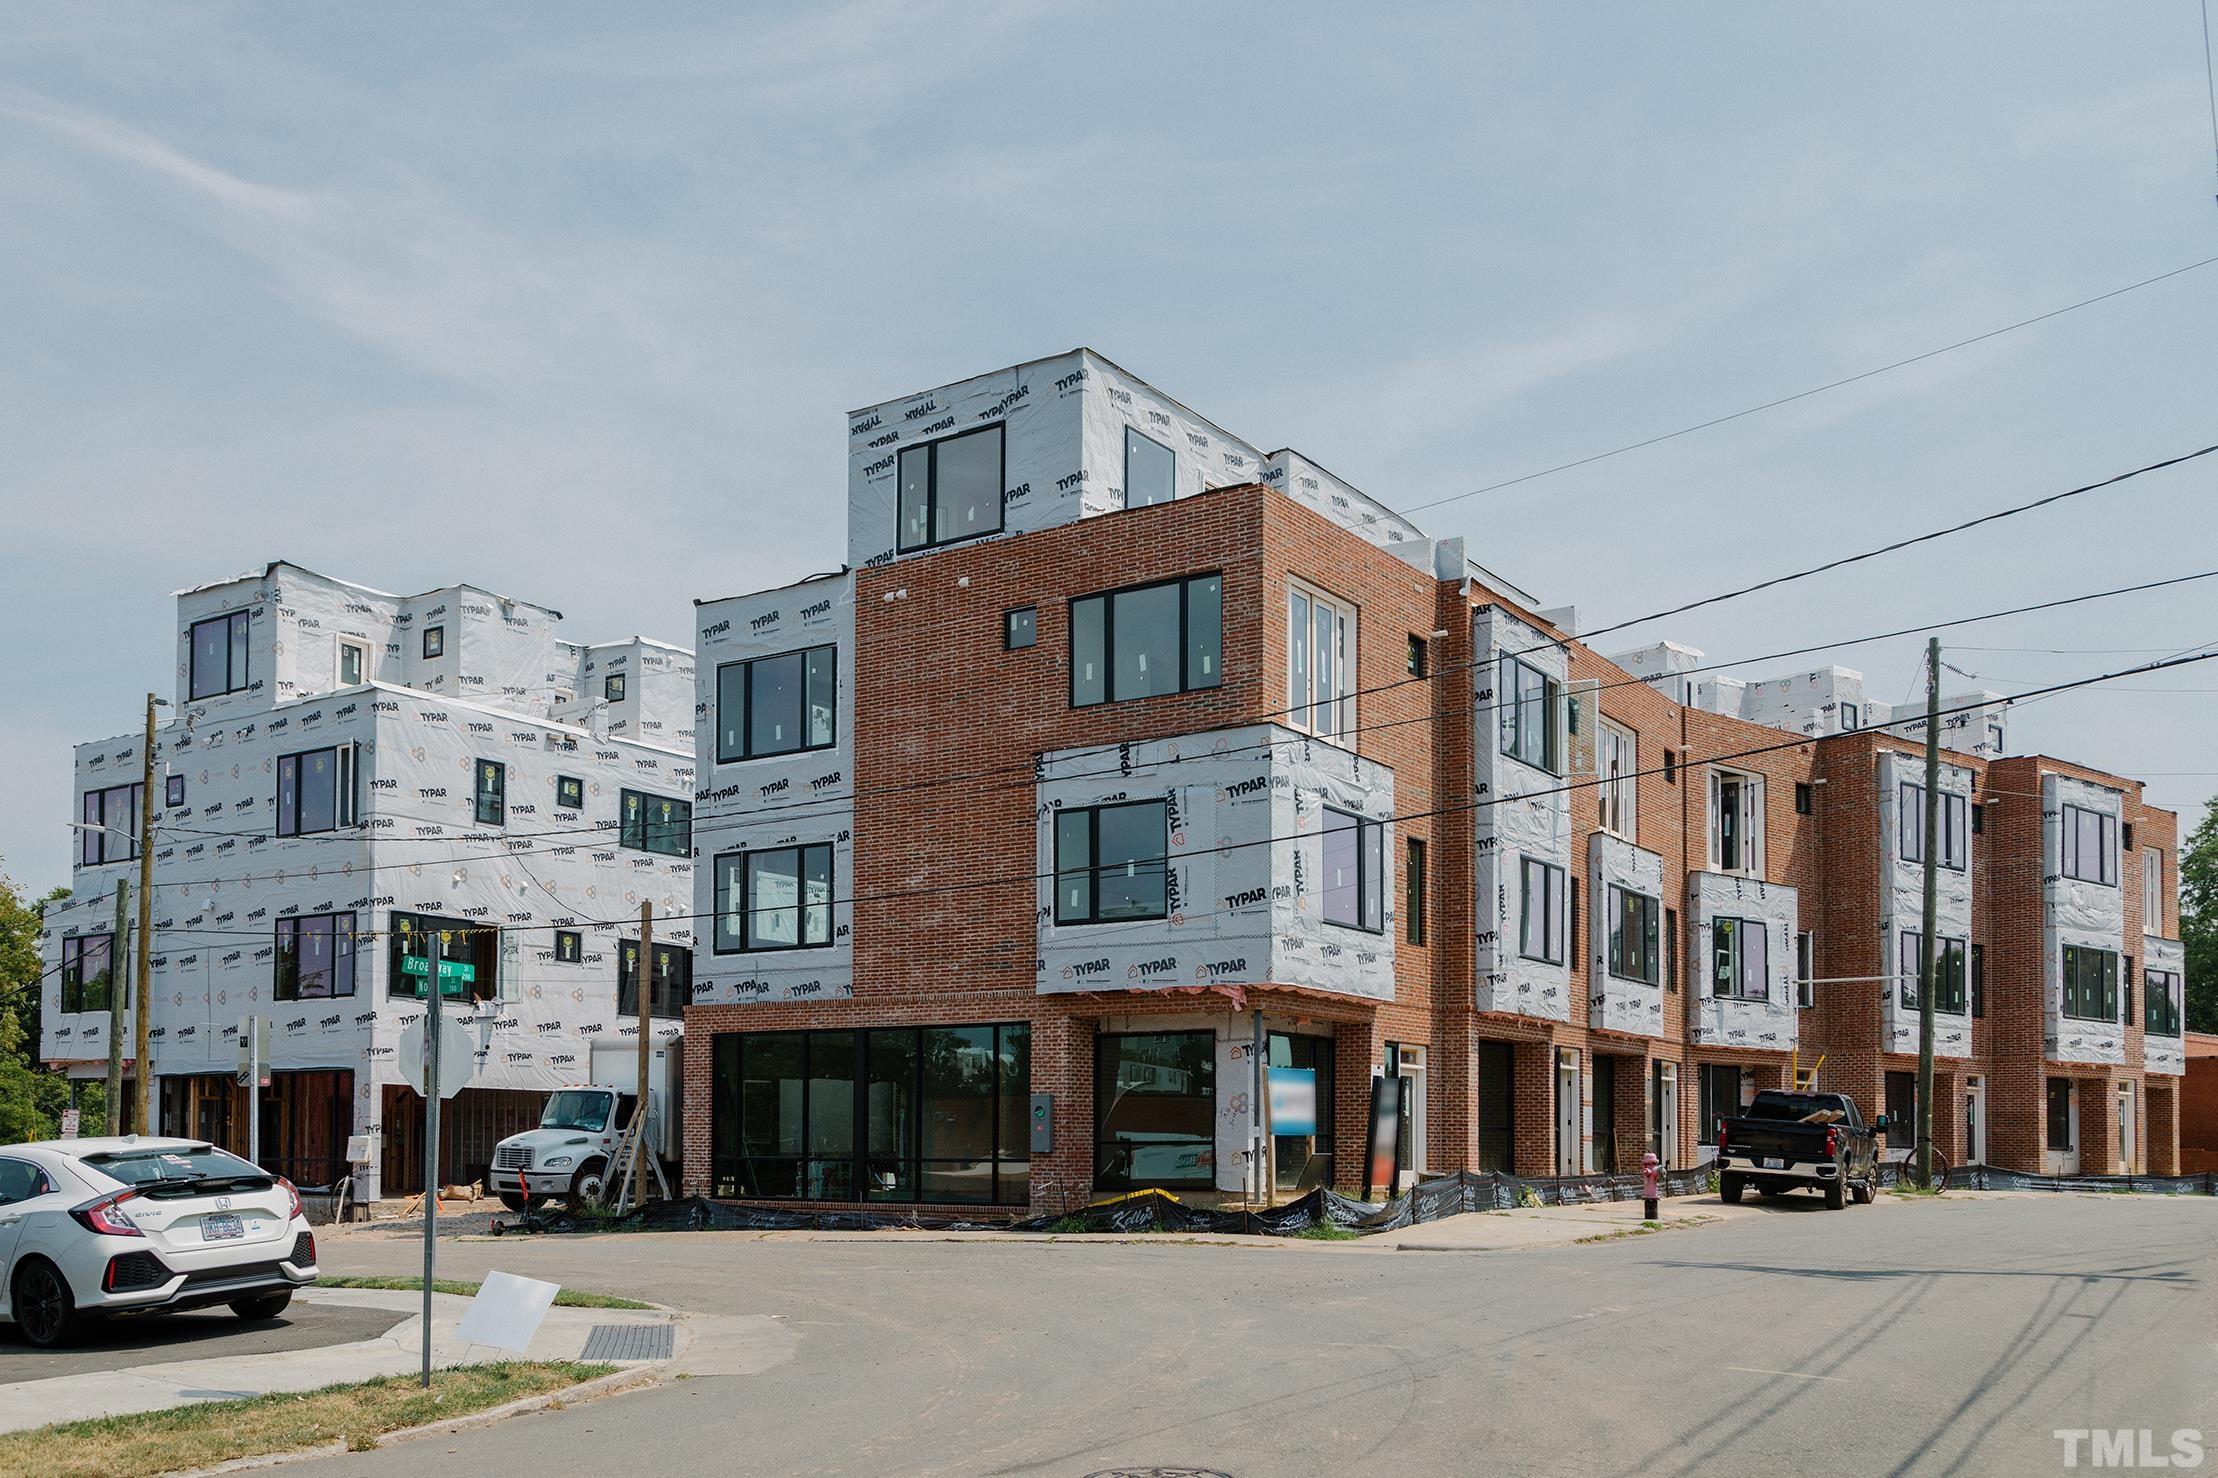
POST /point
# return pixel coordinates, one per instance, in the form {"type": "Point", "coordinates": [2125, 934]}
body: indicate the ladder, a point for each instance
{"type": "Point", "coordinates": [1806, 1078]}
{"type": "Point", "coordinates": [628, 1191]}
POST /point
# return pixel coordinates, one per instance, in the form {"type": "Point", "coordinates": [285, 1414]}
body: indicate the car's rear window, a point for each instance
{"type": "Point", "coordinates": [1792, 1106]}
{"type": "Point", "coordinates": [184, 1163]}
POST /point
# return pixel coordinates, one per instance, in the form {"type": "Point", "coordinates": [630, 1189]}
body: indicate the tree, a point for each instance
{"type": "Point", "coordinates": [31, 1098]}
{"type": "Point", "coordinates": [2198, 919]}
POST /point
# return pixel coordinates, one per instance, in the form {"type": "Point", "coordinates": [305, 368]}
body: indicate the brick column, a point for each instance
{"type": "Point", "coordinates": [2163, 1124]}
{"type": "Point", "coordinates": [2098, 1127]}
{"type": "Point", "coordinates": [1063, 1064]}
{"type": "Point", "coordinates": [1948, 1115]}
{"type": "Point", "coordinates": [1536, 1108]}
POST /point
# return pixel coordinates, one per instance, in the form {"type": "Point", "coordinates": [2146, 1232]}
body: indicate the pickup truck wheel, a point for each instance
{"type": "Point", "coordinates": [1729, 1188]}
{"type": "Point", "coordinates": [516, 1201]}
{"type": "Point", "coordinates": [1834, 1198]}
{"type": "Point", "coordinates": [589, 1185]}
{"type": "Point", "coordinates": [1861, 1193]}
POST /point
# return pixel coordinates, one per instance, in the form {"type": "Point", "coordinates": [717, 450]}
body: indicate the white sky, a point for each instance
{"type": "Point", "coordinates": [569, 301]}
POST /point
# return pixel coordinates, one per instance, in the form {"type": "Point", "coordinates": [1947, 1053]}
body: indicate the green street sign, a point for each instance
{"type": "Point", "coordinates": [448, 969]}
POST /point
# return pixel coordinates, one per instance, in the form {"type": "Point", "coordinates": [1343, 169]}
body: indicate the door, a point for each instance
{"type": "Point", "coordinates": [1605, 1114]}
{"type": "Point", "coordinates": [1497, 1107]}
{"type": "Point", "coordinates": [2125, 1129]}
{"type": "Point", "coordinates": [1412, 1148]}
{"type": "Point", "coordinates": [2062, 1157]}
{"type": "Point", "coordinates": [1568, 1158]}
{"type": "Point", "coordinates": [1663, 1115]}
{"type": "Point", "coordinates": [1975, 1121]}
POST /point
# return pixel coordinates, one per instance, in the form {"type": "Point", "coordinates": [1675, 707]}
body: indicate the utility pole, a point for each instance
{"type": "Point", "coordinates": [434, 988]}
{"type": "Point", "coordinates": [143, 1110]}
{"type": "Point", "coordinates": [643, 979]}
{"type": "Point", "coordinates": [1927, 943]}
{"type": "Point", "coordinates": [118, 974]}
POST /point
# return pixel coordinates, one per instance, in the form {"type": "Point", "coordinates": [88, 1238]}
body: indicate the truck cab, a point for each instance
{"type": "Point", "coordinates": [572, 1155]}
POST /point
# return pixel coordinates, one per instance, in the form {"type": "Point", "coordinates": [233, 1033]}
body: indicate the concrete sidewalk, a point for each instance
{"type": "Point", "coordinates": [703, 1344]}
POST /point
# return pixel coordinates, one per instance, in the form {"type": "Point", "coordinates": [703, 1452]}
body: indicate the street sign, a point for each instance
{"type": "Point", "coordinates": [254, 1068]}
{"type": "Point", "coordinates": [451, 972]}
{"type": "Point", "coordinates": [69, 1123]}
{"type": "Point", "coordinates": [457, 1056]}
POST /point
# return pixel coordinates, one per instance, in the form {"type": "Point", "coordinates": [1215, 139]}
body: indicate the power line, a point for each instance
{"type": "Point", "coordinates": [1479, 804]}
{"type": "Point", "coordinates": [819, 806]}
{"type": "Point", "coordinates": [1848, 380]}
{"type": "Point", "coordinates": [1834, 564]}
{"type": "Point", "coordinates": [2210, 85]}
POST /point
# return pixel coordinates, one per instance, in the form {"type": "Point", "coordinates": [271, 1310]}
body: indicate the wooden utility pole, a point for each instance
{"type": "Point", "coordinates": [118, 953]}
{"type": "Point", "coordinates": [142, 1116]}
{"type": "Point", "coordinates": [1927, 943]}
{"type": "Point", "coordinates": [643, 978]}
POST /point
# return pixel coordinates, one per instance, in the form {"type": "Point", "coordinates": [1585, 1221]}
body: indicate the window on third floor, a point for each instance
{"type": "Point", "coordinates": [1162, 638]}
{"type": "Point", "coordinates": [1617, 764]}
{"type": "Point", "coordinates": [218, 656]}
{"type": "Point", "coordinates": [1955, 826]}
{"type": "Point", "coordinates": [1320, 662]}
{"type": "Point", "coordinates": [776, 705]}
{"type": "Point", "coordinates": [2090, 851]}
{"type": "Point", "coordinates": [1527, 699]}
{"type": "Point", "coordinates": [951, 489]}
{"type": "Point", "coordinates": [1736, 822]}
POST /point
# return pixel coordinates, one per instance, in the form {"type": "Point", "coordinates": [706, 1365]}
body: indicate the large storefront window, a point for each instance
{"type": "Point", "coordinates": [1155, 1110]}
{"type": "Point", "coordinates": [1299, 1161]}
{"type": "Point", "coordinates": [937, 1113]}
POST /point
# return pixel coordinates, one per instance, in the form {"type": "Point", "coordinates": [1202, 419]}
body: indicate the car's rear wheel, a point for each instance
{"type": "Point", "coordinates": [1729, 1189]}
{"type": "Point", "coordinates": [1861, 1192]}
{"type": "Point", "coordinates": [262, 1305]}
{"type": "Point", "coordinates": [45, 1312]}
{"type": "Point", "coordinates": [1834, 1199]}
{"type": "Point", "coordinates": [590, 1185]}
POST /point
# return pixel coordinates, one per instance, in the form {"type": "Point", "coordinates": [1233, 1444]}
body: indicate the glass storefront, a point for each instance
{"type": "Point", "coordinates": [936, 1113]}
{"type": "Point", "coordinates": [1155, 1110]}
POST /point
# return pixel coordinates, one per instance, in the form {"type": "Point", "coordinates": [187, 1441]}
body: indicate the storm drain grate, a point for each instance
{"type": "Point", "coordinates": [630, 1342]}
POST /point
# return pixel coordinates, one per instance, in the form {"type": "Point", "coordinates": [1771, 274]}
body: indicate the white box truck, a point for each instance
{"type": "Point", "coordinates": [571, 1156]}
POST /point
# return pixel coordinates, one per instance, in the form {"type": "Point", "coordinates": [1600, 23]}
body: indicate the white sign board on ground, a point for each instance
{"type": "Point", "coordinates": [507, 1312]}
{"type": "Point", "coordinates": [457, 1056]}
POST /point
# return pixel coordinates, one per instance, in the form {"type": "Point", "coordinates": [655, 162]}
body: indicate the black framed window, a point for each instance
{"type": "Point", "coordinates": [316, 791]}
{"type": "Point", "coordinates": [1740, 960]}
{"type": "Point", "coordinates": [111, 830]}
{"type": "Point", "coordinates": [1635, 926]}
{"type": "Point", "coordinates": [315, 957]}
{"type": "Point", "coordinates": [2090, 983]}
{"type": "Point", "coordinates": [2060, 1114]}
{"type": "Point", "coordinates": [1112, 863]}
{"type": "Point", "coordinates": [1951, 971]}
{"type": "Point", "coordinates": [1150, 470]}
{"type": "Point", "coordinates": [1671, 949]}
{"type": "Point", "coordinates": [673, 980]}
{"type": "Point", "coordinates": [569, 793]}
{"type": "Point", "coordinates": [1901, 1092]}
{"type": "Point", "coordinates": [1804, 798]}
{"type": "Point", "coordinates": [435, 642]}
{"type": "Point", "coordinates": [1955, 826]}
{"type": "Point", "coordinates": [1150, 639]}
{"type": "Point", "coordinates": [777, 705]}
{"type": "Point", "coordinates": [1155, 1110]}
{"type": "Point", "coordinates": [951, 489]}
{"type": "Point", "coordinates": [655, 823]}
{"type": "Point", "coordinates": [612, 687]}
{"type": "Point", "coordinates": [1528, 699]}
{"type": "Point", "coordinates": [2090, 850]}
{"type": "Point", "coordinates": [569, 946]}
{"type": "Point", "coordinates": [774, 898]}
{"type": "Point", "coordinates": [1354, 872]}
{"type": "Point", "coordinates": [88, 972]}
{"type": "Point", "coordinates": [218, 656]}
{"type": "Point", "coordinates": [1020, 628]}
{"type": "Point", "coordinates": [1805, 969]}
{"type": "Point", "coordinates": [492, 793]}
{"type": "Point", "coordinates": [173, 790]}
{"type": "Point", "coordinates": [1413, 886]}
{"type": "Point", "coordinates": [1979, 977]}
{"type": "Point", "coordinates": [936, 1113]}
{"type": "Point", "coordinates": [1415, 664]}
{"type": "Point", "coordinates": [476, 945]}
{"type": "Point", "coordinates": [1540, 910]}
{"type": "Point", "coordinates": [2160, 1002]}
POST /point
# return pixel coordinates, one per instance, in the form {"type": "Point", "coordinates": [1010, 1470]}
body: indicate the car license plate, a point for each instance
{"type": "Point", "coordinates": [220, 1228]}
{"type": "Point", "coordinates": [1766, 1164]}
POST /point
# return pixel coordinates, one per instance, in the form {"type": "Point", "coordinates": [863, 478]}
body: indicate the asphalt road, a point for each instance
{"type": "Point", "coordinates": [1904, 1338]}
{"type": "Point", "coordinates": [156, 1339]}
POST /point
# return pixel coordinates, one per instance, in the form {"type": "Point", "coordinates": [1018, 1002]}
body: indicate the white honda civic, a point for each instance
{"type": "Point", "coordinates": [116, 1226]}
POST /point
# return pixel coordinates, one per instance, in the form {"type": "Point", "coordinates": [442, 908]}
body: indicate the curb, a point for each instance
{"type": "Point", "coordinates": [603, 1385]}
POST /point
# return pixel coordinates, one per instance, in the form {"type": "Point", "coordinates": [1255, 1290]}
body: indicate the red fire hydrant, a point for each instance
{"type": "Point", "coordinates": [1649, 1189]}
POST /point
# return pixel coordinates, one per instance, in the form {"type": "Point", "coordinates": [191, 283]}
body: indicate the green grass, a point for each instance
{"type": "Point", "coordinates": [200, 1436]}
{"type": "Point", "coordinates": [568, 1298]}
{"type": "Point", "coordinates": [1327, 1231]}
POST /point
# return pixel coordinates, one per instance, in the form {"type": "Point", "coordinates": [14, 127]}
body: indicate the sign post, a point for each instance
{"type": "Point", "coordinates": [435, 988]}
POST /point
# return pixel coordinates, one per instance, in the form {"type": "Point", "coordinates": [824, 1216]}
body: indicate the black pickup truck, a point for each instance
{"type": "Point", "coordinates": [1811, 1140]}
